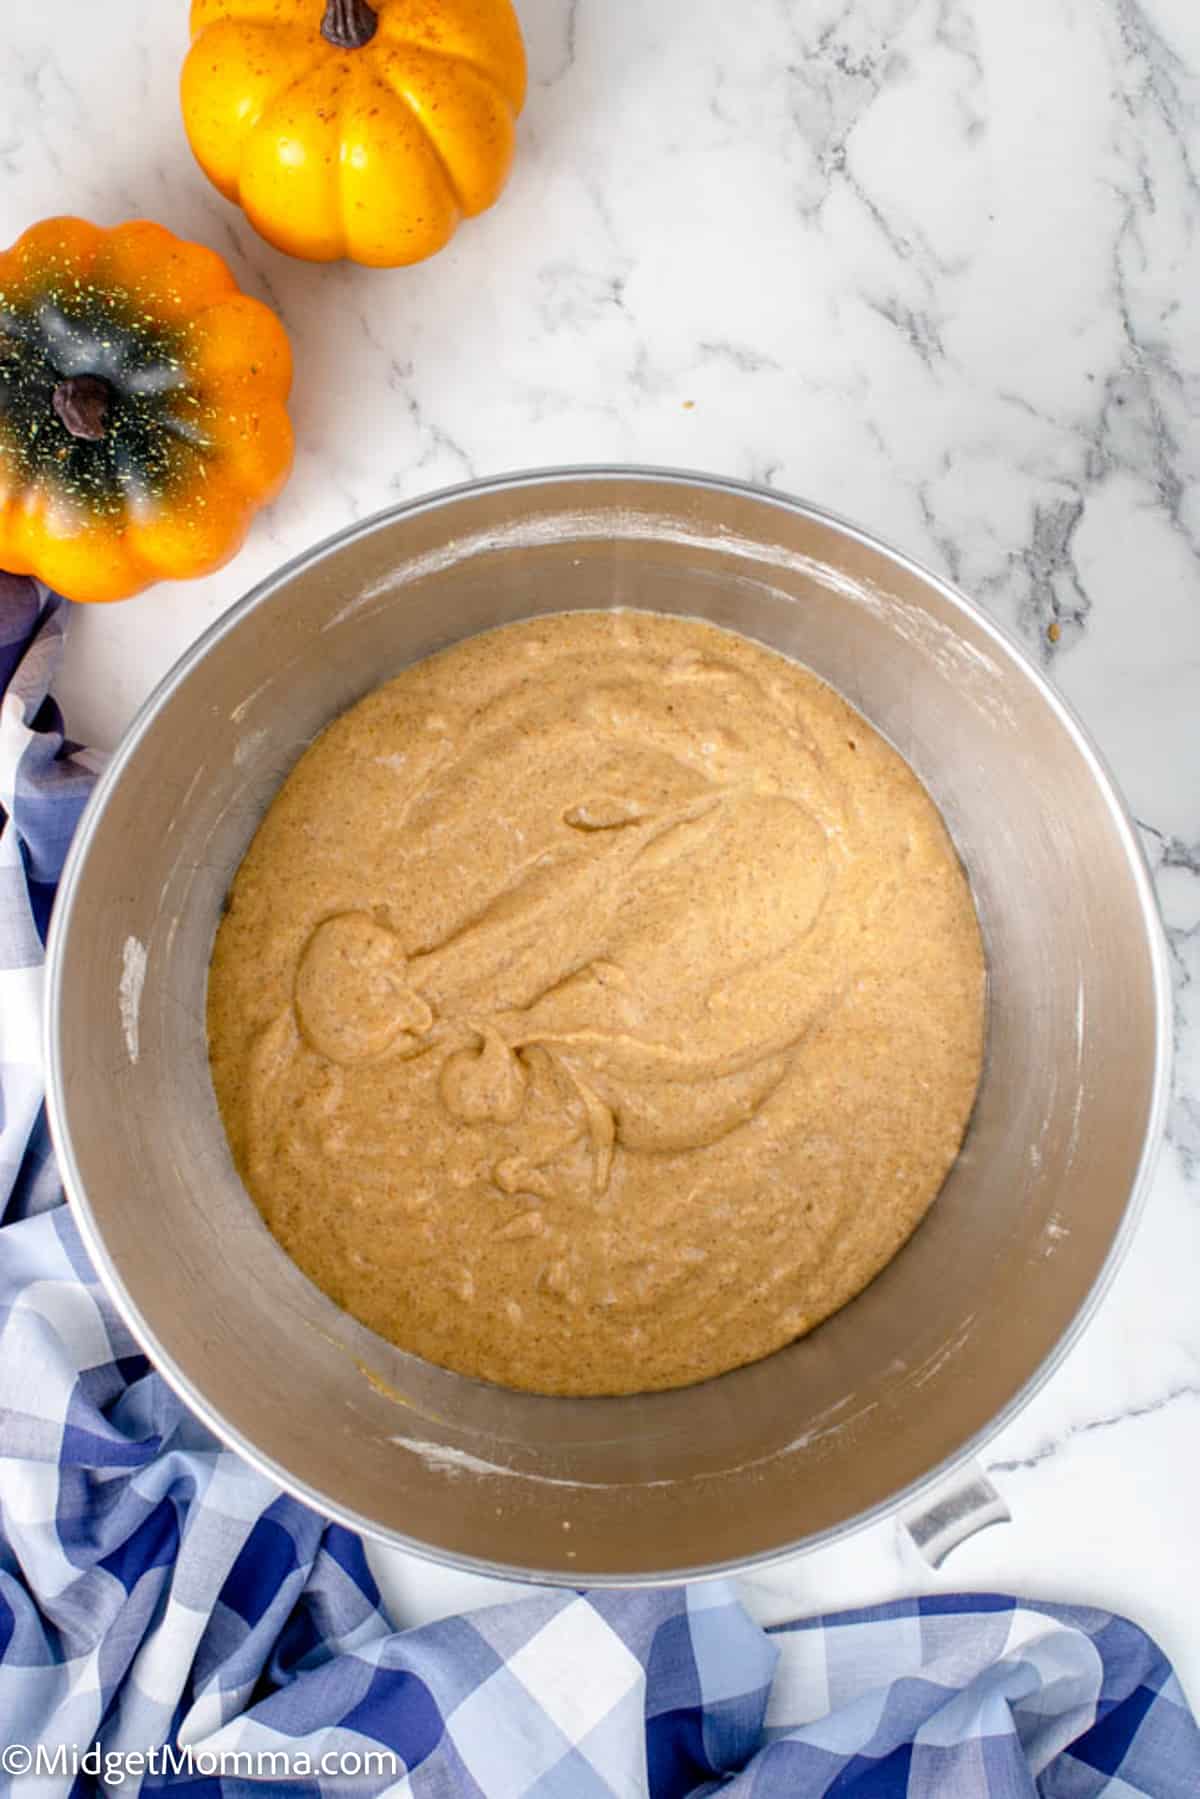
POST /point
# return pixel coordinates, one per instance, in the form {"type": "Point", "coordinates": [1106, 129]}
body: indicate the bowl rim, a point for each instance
{"type": "Point", "coordinates": [908, 1498]}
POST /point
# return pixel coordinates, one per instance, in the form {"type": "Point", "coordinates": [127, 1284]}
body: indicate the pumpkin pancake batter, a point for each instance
{"type": "Point", "coordinates": [599, 1006]}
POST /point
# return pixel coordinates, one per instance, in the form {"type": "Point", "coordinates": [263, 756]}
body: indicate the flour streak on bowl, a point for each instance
{"type": "Point", "coordinates": [129, 992]}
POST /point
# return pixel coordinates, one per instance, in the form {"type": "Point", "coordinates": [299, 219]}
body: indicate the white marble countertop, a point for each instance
{"type": "Point", "coordinates": [932, 263]}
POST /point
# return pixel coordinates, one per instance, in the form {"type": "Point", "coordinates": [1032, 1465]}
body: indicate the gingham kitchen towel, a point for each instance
{"type": "Point", "coordinates": [168, 1617]}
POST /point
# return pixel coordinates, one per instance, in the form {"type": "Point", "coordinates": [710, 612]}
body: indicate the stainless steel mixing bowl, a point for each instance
{"type": "Point", "coordinates": [940, 1350]}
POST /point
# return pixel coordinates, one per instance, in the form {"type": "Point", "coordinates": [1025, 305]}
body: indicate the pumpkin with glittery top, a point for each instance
{"type": "Point", "coordinates": [143, 415]}
{"type": "Point", "coordinates": [346, 128]}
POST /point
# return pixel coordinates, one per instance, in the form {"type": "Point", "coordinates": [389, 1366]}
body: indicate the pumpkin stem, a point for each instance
{"type": "Point", "coordinates": [82, 403]}
{"type": "Point", "coordinates": [349, 24]}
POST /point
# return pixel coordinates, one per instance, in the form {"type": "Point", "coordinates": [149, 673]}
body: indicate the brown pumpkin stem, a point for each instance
{"type": "Point", "coordinates": [82, 403]}
{"type": "Point", "coordinates": [349, 24]}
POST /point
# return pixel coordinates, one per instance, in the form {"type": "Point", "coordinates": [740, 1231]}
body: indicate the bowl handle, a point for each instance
{"type": "Point", "coordinates": [967, 1503]}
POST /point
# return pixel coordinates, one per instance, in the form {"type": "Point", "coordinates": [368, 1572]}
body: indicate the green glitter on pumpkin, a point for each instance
{"type": "Point", "coordinates": [157, 438]}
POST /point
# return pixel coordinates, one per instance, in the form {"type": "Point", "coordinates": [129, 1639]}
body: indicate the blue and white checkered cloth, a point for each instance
{"type": "Point", "coordinates": [154, 1590]}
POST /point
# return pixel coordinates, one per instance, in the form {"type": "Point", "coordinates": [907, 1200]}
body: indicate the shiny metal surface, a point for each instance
{"type": "Point", "coordinates": [944, 1520]}
{"type": "Point", "coordinates": [884, 1397]}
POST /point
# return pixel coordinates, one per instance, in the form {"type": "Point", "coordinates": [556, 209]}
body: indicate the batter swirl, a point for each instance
{"type": "Point", "coordinates": [599, 1006]}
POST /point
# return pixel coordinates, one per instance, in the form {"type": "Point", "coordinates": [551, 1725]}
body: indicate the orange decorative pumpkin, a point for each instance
{"type": "Point", "coordinates": [142, 408]}
{"type": "Point", "coordinates": [345, 128]}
